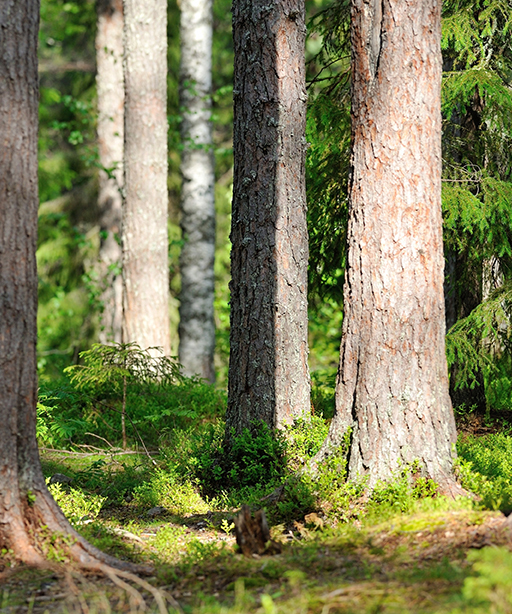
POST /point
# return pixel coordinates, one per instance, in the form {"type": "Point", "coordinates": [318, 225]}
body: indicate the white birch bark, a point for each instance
{"type": "Point", "coordinates": [197, 327]}
{"type": "Point", "coordinates": [145, 208]}
{"type": "Point", "coordinates": [110, 91]}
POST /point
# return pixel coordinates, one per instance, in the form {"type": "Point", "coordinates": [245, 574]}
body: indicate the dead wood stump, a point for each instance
{"type": "Point", "coordinates": [253, 534]}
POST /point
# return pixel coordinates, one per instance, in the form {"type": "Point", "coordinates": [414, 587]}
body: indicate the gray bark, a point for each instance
{"type": "Point", "coordinates": [268, 370]}
{"type": "Point", "coordinates": [145, 207]}
{"type": "Point", "coordinates": [110, 89]}
{"type": "Point", "coordinates": [392, 386]}
{"type": "Point", "coordinates": [197, 326]}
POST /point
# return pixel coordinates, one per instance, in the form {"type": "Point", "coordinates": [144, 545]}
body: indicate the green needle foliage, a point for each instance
{"type": "Point", "coordinates": [477, 189]}
{"type": "Point", "coordinates": [126, 394]}
{"type": "Point", "coordinates": [110, 369]}
{"type": "Point", "coordinates": [477, 175]}
{"type": "Point", "coordinates": [114, 366]}
{"type": "Point", "coordinates": [327, 161]}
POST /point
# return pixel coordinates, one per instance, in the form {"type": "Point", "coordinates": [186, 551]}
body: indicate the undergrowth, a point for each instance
{"type": "Point", "coordinates": [171, 497]}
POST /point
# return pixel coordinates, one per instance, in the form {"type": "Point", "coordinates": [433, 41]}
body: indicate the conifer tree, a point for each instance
{"type": "Point", "coordinates": [110, 91]}
{"type": "Point", "coordinates": [392, 386]}
{"type": "Point", "coordinates": [268, 369]}
{"type": "Point", "coordinates": [476, 194]}
{"type": "Point", "coordinates": [27, 510]}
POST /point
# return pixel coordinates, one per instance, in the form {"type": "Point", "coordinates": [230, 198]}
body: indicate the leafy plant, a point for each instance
{"type": "Point", "coordinates": [485, 468]}
{"type": "Point", "coordinates": [166, 489]}
{"type": "Point", "coordinates": [76, 504]}
{"type": "Point", "coordinates": [488, 587]}
{"type": "Point", "coordinates": [400, 493]}
{"type": "Point", "coordinates": [303, 440]}
{"type": "Point", "coordinates": [254, 458]}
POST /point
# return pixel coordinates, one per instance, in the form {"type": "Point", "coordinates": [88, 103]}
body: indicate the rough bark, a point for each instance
{"type": "Point", "coordinates": [268, 370]}
{"type": "Point", "coordinates": [27, 511]}
{"type": "Point", "coordinates": [145, 207]}
{"type": "Point", "coordinates": [110, 89]}
{"type": "Point", "coordinates": [392, 386]}
{"type": "Point", "coordinates": [197, 326]}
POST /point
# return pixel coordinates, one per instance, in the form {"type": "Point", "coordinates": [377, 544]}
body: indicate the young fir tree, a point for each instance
{"type": "Point", "coordinates": [392, 385]}
{"type": "Point", "coordinates": [197, 325]}
{"type": "Point", "coordinates": [268, 370]}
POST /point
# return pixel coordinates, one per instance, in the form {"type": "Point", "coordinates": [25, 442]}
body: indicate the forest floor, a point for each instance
{"type": "Point", "coordinates": [396, 555]}
{"type": "Point", "coordinates": [421, 562]}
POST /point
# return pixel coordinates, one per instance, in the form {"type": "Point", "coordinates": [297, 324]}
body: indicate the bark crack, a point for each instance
{"type": "Point", "coordinates": [377, 35]}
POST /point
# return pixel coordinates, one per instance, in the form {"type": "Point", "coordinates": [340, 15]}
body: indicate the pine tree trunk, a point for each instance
{"type": "Point", "coordinates": [145, 209]}
{"type": "Point", "coordinates": [268, 369]}
{"type": "Point", "coordinates": [197, 326]}
{"type": "Point", "coordinates": [110, 89]}
{"type": "Point", "coordinates": [392, 387]}
{"type": "Point", "coordinates": [27, 510]}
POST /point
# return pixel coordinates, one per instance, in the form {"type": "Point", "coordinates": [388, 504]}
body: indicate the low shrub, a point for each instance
{"type": "Point", "coordinates": [166, 489]}
{"type": "Point", "coordinates": [77, 505]}
{"type": "Point", "coordinates": [485, 468]}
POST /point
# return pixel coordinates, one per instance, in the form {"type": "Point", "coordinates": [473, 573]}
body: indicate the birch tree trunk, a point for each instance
{"type": "Point", "coordinates": [145, 209]}
{"type": "Point", "coordinates": [197, 326]}
{"type": "Point", "coordinates": [110, 89]}
{"type": "Point", "coordinates": [268, 369]}
{"type": "Point", "coordinates": [27, 510]}
{"type": "Point", "coordinates": [392, 386]}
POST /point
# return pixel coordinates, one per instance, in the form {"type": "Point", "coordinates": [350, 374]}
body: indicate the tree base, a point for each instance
{"type": "Point", "coordinates": [32, 533]}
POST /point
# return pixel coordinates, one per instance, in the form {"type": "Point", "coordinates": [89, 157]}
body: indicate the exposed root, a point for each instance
{"type": "Point", "coordinates": [45, 513]}
{"type": "Point", "coordinates": [77, 593]}
{"type": "Point", "coordinates": [76, 588]}
{"type": "Point", "coordinates": [115, 575]}
{"type": "Point", "coordinates": [136, 599]}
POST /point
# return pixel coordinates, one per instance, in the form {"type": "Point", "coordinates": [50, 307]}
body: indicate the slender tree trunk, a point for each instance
{"type": "Point", "coordinates": [145, 212]}
{"type": "Point", "coordinates": [197, 326]}
{"type": "Point", "coordinates": [110, 88]}
{"type": "Point", "coordinates": [268, 370]}
{"type": "Point", "coordinates": [392, 387]}
{"type": "Point", "coordinates": [27, 510]}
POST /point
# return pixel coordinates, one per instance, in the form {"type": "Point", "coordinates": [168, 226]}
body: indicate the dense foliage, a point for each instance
{"type": "Point", "coordinates": [477, 185]}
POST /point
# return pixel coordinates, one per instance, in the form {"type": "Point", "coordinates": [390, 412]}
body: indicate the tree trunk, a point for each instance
{"type": "Point", "coordinates": [27, 510]}
{"type": "Point", "coordinates": [392, 386]}
{"type": "Point", "coordinates": [145, 209]}
{"type": "Point", "coordinates": [268, 370]}
{"type": "Point", "coordinates": [197, 326]}
{"type": "Point", "coordinates": [110, 88]}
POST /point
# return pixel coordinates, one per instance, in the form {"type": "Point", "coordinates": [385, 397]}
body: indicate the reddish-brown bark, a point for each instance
{"type": "Point", "coordinates": [392, 387]}
{"type": "Point", "coordinates": [27, 510]}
